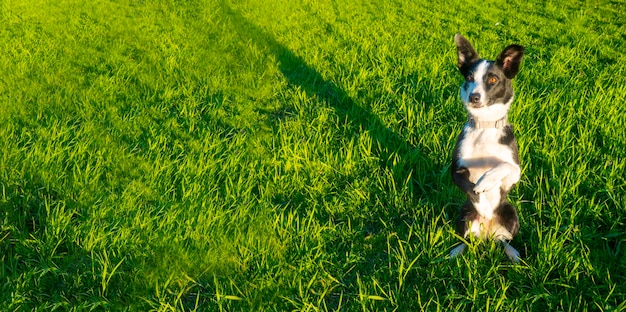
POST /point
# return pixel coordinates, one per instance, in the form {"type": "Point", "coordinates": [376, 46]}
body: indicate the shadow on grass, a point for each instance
{"type": "Point", "coordinates": [298, 73]}
{"type": "Point", "coordinates": [395, 154]}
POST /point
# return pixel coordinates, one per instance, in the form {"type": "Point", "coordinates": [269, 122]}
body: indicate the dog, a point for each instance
{"type": "Point", "coordinates": [485, 161]}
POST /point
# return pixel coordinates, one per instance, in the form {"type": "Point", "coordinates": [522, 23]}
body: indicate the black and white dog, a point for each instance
{"type": "Point", "coordinates": [485, 163]}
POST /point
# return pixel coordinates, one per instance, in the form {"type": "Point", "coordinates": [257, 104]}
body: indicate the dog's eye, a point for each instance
{"type": "Point", "coordinates": [469, 78]}
{"type": "Point", "coordinates": [492, 80]}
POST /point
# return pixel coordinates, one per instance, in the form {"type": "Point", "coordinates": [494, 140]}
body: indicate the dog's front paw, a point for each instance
{"type": "Point", "coordinates": [486, 183]}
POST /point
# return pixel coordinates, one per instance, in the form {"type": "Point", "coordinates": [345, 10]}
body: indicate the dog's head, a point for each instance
{"type": "Point", "coordinates": [487, 93]}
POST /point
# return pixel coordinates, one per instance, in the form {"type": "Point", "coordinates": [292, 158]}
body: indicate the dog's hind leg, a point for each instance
{"type": "Point", "coordinates": [507, 218]}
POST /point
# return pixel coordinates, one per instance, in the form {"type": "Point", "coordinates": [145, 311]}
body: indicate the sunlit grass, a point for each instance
{"type": "Point", "coordinates": [255, 156]}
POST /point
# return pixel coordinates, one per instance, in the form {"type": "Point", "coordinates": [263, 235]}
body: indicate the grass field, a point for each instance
{"type": "Point", "coordinates": [180, 155]}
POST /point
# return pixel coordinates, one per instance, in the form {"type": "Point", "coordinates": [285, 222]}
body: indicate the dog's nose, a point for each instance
{"type": "Point", "coordinates": [474, 98]}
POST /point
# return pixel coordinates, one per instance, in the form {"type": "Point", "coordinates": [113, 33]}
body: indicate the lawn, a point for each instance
{"type": "Point", "coordinates": [206, 155]}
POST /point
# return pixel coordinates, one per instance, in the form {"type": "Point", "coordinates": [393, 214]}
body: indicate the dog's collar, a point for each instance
{"type": "Point", "coordinates": [498, 124]}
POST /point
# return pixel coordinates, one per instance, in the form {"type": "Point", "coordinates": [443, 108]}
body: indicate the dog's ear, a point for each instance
{"type": "Point", "coordinates": [467, 54]}
{"type": "Point", "coordinates": [510, 59]}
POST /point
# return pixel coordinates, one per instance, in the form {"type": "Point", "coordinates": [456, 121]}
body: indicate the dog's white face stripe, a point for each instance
{"type": "Point", "coordinates": [475, 86]}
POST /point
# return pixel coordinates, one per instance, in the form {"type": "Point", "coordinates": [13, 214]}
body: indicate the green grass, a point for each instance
{"type": "Point", "coordinates": [179, 155]}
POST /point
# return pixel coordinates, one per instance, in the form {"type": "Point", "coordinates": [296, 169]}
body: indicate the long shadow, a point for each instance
{"type": "Point", "coordinates": [298, 73]}
{"type": "Point", "coordinates": [394, 152]}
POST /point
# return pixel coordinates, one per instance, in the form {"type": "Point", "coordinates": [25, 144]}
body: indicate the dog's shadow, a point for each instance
{"type": "Point", "coordinates": [404, 157]}
{"type": "Point", "coordinates": [301, 75]}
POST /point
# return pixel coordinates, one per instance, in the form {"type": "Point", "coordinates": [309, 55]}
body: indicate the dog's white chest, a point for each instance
{"type": "Point", "coordinates": [481, 150]}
